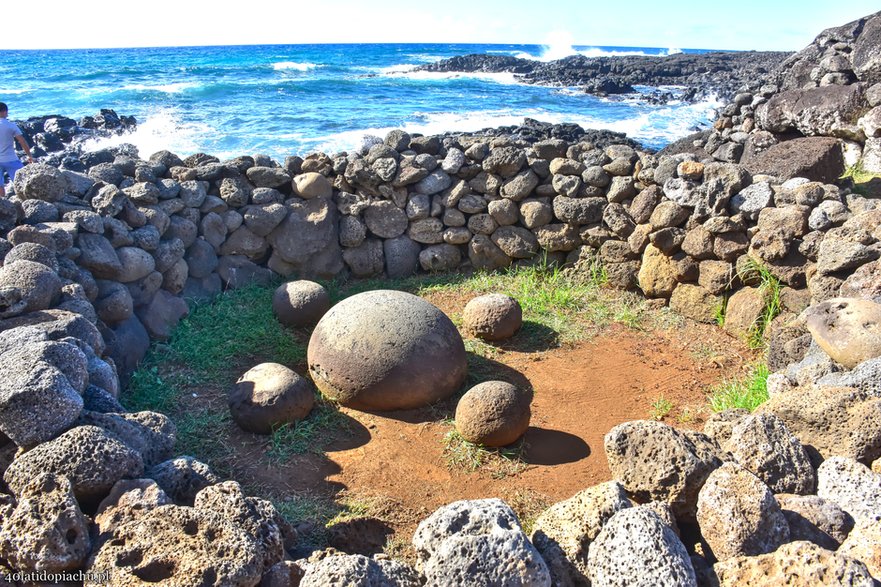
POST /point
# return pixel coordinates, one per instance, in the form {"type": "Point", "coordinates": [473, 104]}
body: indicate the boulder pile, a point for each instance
{"type": "Point", "coordinates": [100, 251]}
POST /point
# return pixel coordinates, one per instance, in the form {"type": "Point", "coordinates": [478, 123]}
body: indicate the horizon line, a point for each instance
{"type": "Point", "coordinates": [578, 46]}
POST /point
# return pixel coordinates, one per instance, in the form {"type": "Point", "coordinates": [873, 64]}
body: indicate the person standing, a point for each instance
{"type": "Point", "coordinates": [9, 161]}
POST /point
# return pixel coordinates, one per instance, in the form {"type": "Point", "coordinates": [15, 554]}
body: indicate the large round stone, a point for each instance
{"type": "Point", "coordinates": [386, 350]}
{"type": "Point", "coordinates": [270, 395]}
{"type": "Point", "coordinates": [300, 303]}
{"type": "Point", "coordinates": [493, 413]}
{"type": "Point", "coordinates": [492, 317]}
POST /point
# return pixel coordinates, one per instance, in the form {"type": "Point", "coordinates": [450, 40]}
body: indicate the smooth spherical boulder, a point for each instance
{"type": "Point", "coordinates": [386, 350]}
{"type": "Point", "coordinates": [848, 329]}
{"type": "Point", "coordinates": [268, 396]}
{"type": "Point", "coordinates": [493, 413]}
{"type": "Point", "coordinates": [300, 303]}
{"type": "Point", "coordinates": [492, 317]}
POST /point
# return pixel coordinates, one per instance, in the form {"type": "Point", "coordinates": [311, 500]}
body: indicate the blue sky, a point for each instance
{"type": "Point", "coordinates": [743, 24]}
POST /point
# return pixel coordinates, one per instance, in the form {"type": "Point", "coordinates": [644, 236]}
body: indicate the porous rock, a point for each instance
{"type": "Point", "coordinates": [181, 546]}
{"type": "Point", "coordinates": [478, 543]}
{"type": "Point", "coordinates": [564, 532]}
{"type": "Point", "coordinates": [182, 478]}
{"type": "Point", "coordinates": [386, 350]}
{"type": "Point", "coordinates": [851, 485]}
{"type": "Point", "coordinates": [762, 445]}
{"type": "Point", "coordinates": [656, 462]}
{"type": "Point", "coordinates": [738, 514]}
{"type": "Point", "coordinates": [799, 564]}
{"type": "Point", "coordinates": [815, 519]}
{"type": "Point", "coordinates": [46, 531]}
{"type": "Point", "coordinates": [356, 570]}
{"type": "Point", "coordinates": [635, 547]}
{"type": "Point", "coordinates": [830, 421]}
{"type": "Point", "coordinates": [88, 456]}
{"type": "Point", "coordinates": [127, 500]}
{"type": "Point", "coordinates": [38, 285]}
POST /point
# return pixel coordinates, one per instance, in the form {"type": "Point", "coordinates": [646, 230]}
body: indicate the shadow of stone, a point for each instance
{"type": "Point", "coordinates": [532, 337]}
{"type": "Point", "coordinates": [480, 369]}
{"type": "Point", "coordinates": [351, 434]}
{"type": "Point", "coordinates": [553, 447]}
{"type": "Point", "coordinates": [367, 536]}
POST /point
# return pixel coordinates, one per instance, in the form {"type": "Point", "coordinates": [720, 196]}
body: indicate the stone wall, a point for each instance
{"type": "Point", "coordinates": [99, 255]}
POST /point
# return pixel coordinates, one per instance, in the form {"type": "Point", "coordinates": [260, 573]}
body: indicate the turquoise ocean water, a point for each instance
{"type": "Point", "coordinates": [282, 100]}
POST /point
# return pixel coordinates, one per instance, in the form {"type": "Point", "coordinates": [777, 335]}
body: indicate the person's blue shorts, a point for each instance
{"type": "Point", "coordinates": [9, 168]}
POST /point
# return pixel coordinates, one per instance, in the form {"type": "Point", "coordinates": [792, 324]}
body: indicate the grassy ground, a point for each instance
{"type": "Point", "coordinates": [864, 183]}
{"type": "Point", "coordinates": [188, 376]}
{"type": "Point", "coordinates": [749, 391]}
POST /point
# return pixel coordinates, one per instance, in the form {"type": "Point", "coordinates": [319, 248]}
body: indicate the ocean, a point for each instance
{"type": "Point", "coordinates": [282, 100]}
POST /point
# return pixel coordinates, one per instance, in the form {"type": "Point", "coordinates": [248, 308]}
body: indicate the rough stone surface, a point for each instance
{"type": "Point", "coordinates": [127, 500]}
{"type": "Point", "coordinates": [762, 445]}
{"type": "Point", "coordinates": [492, 317]}
{"type": "Point", "coordinates": [46, 531]}
{"type": "Point", "coordinates": [87, 455]}
{"type": "Point", "coordinates": [851, 485]}
{"type": "Point", "coordinates": [268, 396]}
{"type": "Point", "coordinates": [696, 302]}
{"type": "Point", "coordinates": [830, 421]}
{"type": "Point", "coordinates": [386, 350]}
{"type": "Point", "coordinates": [38, 286]}
{"type": "Point", "coordinates": [493, 413]}
{"type": "Point", "coordinates": [182, 478]}
{"type": "Point", "coordinates": [864, 544]}
{"type": "Point", "coordinates": [815, 519]}
{"type": "Point", "coordinates": [799, 564]}
{"type": "Point", "coordinates": [655, 462]}
{"type": "Point", "coordinates": [636, 548]}
{"type": "Point", "coordinates": [181, 546]}
{"type": "Point", "coordinates": [478, 543]}
{"type": "Point", "coordinates": [738, 514]}
{"type": "Point", "coordinates": [816, 158]}
{"type": "Point", "coordinates": [563, 532]}
{"type": "Point", "coordinates": [300, 303]}
{"type": "Point", "coordinates": [356, 570]}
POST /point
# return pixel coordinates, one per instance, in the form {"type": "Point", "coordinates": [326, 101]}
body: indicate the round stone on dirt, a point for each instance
{"type": "Point", "coordinates": [300, 303]}
{"type": "Point", "coordinates": [268, 396]}
{"type": "Point", "coordinates": [492, 317]}
{"type": "Point", "coordinates": [386, 350]}
{"type": "Point", "coordinates": [493, 413]}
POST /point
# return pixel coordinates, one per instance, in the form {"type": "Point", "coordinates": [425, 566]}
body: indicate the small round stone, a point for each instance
{"type": "Point", "coordinates": [493, 413]}
{"type": "Point", "coordinates": [492, 317]}
{"type": "Point", "coordinates": [268, 396]}
{"type": "Point", "coordinates": [300, 303]}
{"type": "Point", "coordinates": [386, 350]}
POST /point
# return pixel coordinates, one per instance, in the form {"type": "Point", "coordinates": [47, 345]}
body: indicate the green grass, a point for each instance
{"type": "Point", "coordinates": [748, 392]}
{"type": "Point", "coordinates": [206, 354]}
{"type": "Point", "coordinates": [769, 287]}
{"type": "Point", "coordinates": [467, 456]}
{"type": "Point", "coordinates": [296, 438]}
{"type": "Point", "coordinates": [660, 407]}
{"type": "Point", "coordinates": [321, 512]}
{"type": "Point", "coordinates": [864, 183]}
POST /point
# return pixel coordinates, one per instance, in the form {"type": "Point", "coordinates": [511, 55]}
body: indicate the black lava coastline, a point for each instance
{"type": "Point", "coordinates": [719, 73]}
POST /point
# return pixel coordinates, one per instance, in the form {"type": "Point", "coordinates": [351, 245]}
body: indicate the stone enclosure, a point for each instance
{"type": "Point", "coordinates": [100, 254]}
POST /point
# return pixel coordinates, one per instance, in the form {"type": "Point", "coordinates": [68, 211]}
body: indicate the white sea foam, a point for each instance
{"type": "Point", "coordinates": [296, 66]}
{"type": "Point", "coordinates": [172, 88]}
{"type": "Point", "coordinates": [560, 44]}
{"type": "Point", "coordinates": [19, 91]}
{"type": "Point", "coordinates": [652, 126]}
{"type": "Point", "coordinates": [499, 77]}
{"type": "Point", "coordinates": [161, 130]}
{"type": "Point", "coordinates": [395, 69]}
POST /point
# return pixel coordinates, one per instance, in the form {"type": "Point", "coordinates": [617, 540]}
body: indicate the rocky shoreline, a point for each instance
{"type": "Point", "coordinates": [100, 253]}
{"type": "Point", "coordinates": [715, 74]}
